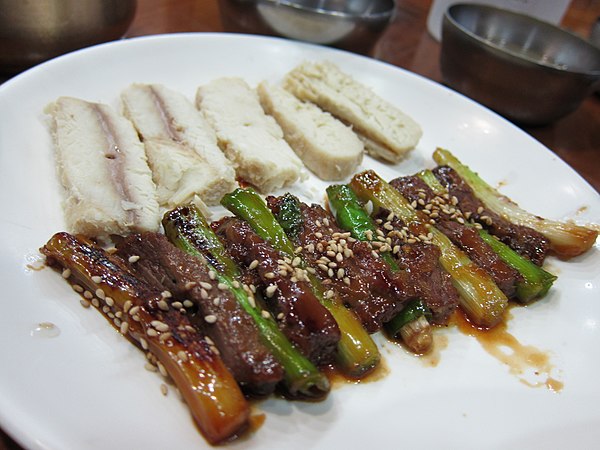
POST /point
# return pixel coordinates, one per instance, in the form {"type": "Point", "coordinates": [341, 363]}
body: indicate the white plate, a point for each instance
{"type": "Point", "coordinates": [86, 388]}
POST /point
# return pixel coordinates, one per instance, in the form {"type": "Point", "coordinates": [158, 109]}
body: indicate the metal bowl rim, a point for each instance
{"type": "Point", "coordinates": [326, 12]}
{"type": "Point", "coordinates": [520, 56]}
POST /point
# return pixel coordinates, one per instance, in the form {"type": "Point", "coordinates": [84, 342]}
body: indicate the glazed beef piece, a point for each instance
{"type": "Point", "coordinates": [361, 279]}
{"type": "Point", "coordinates": [451, 222]}
{"type": "Point", "coordinates": [194, 292]}
{"type": "Point", "coordinates": [422, 277]}
{"type": "Point", "coordinates": [285, 289]}
{"type": "Point", "coordinates": [524, 240]}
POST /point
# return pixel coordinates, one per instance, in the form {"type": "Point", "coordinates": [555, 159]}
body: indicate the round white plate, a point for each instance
{"type": "Point", "coordinates": [86, 387]}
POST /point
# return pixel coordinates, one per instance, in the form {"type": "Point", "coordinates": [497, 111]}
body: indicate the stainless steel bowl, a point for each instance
{"type": "Point", "coordinates": [354, 25]}
{"type": "Point", "coordinates": [32, 31]}
{"type": "Point", "coordinates": [527, 70]}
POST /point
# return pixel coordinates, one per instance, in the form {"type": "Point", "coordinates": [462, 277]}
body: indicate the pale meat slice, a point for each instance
{"type": "Point", "coordinates": [251, 139]}
{"type": "Point", "coordinates": [103, 168]}
{"type": "Point", "coordinates": [330, 149]}
{"type": "Point", "coordinates": [182, 148]}
{"type": "Point", "coordinates": [387, 132]}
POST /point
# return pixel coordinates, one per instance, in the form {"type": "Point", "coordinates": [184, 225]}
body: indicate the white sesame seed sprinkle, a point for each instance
{"type": "Point", "coordinates": [97, 279]}
{"type": "Point", "coordinates": [66, 273]}
{"type": "Point", "coordinates": [210, 318]}
{"type": "Point", "coordinates": [134, 258]}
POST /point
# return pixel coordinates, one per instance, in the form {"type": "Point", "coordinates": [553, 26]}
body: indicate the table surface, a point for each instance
{"type": "Point", "coordinates": [407, 44]}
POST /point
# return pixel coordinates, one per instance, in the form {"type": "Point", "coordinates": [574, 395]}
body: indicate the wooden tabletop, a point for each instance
{"type": "Point", "coordinates": [407, 44]}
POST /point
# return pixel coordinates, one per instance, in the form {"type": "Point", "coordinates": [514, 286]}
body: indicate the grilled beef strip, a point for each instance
{"type": "Point", "coordinates": [524, 240]}
{"type": "Point", "coordinates": [213, 310]}
{"type": "Point", "coordinates": [362, 280]}
{"type": "Point", "coordinates": [285, 290]}
{"type": "Point", "coordinates": [451, 222]}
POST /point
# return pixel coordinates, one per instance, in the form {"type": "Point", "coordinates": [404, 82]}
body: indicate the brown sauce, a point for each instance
{"type": "Point", "coordinates": [519, 358]}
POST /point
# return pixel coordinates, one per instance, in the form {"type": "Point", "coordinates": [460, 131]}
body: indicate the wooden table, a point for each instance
{"type": "Point", "coordinates": [407, 44]}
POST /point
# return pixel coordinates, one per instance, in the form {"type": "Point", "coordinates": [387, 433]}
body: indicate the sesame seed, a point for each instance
{"type": "Point", "coordinates": [212, 274]}
{"type": "Point", "coordinates": [296, 262]}
{"type": "Point", "coordinates": [210, 318]}
{"type": "Point", "coordinates": [95, 302]}
{"type": "Point", "coordinates": [177, 305]}
{"type": "Point", "coordinates": [144, 343]}
{"type": "Point", "coordinates": [66, 273]}
{"type": "Point", "coordinates": [77, 288]}
{"type": "Point", "coordinates": [160, 326]}
{"type": "Point", "coordinates": [270, 290]}
{"type": "Point", "coordinates": [84, 303]}
{"type": "Point", "coordinates": [97, 279]}
{"type": "Point", "coordinates": [253, 265]}
{"type": "Point", "coordinates": [182, 355]}
{"type": "Point", "coordinates": [269, 275]}
{"type": "Point", "coordinates": [124, 327]}
{"type": "Point", "coordinates": [222, 286]}
{"type": "Point", "coordinates": [339, 257]}
{"type": "Point", "coordinates": [100, 294]}
{"type": "Point", "coordinates": [217, 301]}
{"type": "Point", "coordinates": [265, 314]}
{"type": "Point", "coordinates": [164, 389]}
{"type": "Point", "coordinates": [188, 303]}
{"type": "Point", "coordinates": [319, 235]}
{"type": "Point", "coordinates": [190, 284]}
{"type": "Point", "coordinates": [164, 306]}
{"type": "Point", "coordinates": [325, 221]}
{"type": "Point", "coordinates": [150, 367]}
{"type": "Point", "coordinates": [127, 306]}
{"type": "Point", "coordinates": [206, 285]}
{"type": "Point", "coordinates": [164, 336]}
{"type": "Point", "coordinates": [280, 316]}
{"type": "Point", "coordinates": [133, 258]}
{"type": "Point", "coordinates": [134, 310]}
{"type": "Point", "coordinates": [88, 295]}
{"type": "Point", "coordinates": [161, 369]}
{"type": "Point", "coordinates": [340, 273]}
{"type": "Point", "coordinates": [151, 332]}
{"type": "Point", "coordinates": [480, 210]}
{"type": "Point", "coordinates": [109, 301]}
{"type": "Point", "coordinates": [209, 341]}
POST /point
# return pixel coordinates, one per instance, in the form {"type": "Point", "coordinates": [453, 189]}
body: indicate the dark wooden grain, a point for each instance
{"type": "Point", "coordinates": [406, 44]}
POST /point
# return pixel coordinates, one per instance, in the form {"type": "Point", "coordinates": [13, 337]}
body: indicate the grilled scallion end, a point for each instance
{"type": "Point", "coordinates": [357, 352]}
{"type": "Point", "coordinates": [480, 298]}
{"type": "Point", "coordinates": [566, 239]}
{"type": "Point", "coordinates": [210, 391]}
{"type": "Point", "coordinates": [188, 229]}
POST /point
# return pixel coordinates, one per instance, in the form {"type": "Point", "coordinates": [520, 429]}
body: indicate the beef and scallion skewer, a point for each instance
{"type": "Point", "coordinates": [495, 210]}
{"type": "Point", "coordinates": [411, 322]}
{"type": "Point", "coordinates": [209, 305]}
{"type": "Point", "coordinates": [533, 281]}
{"type": "Point", "coordinates": [357, 354]}
{"type": "Point", "coordinates": [188, 229]}
{"type": "Point", "coordinates": [180, 351]}
{"type": "Point", "coordinates": [480, 298]}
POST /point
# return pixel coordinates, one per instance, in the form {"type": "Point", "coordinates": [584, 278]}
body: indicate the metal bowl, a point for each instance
{"type": "Point", "coordinates": [32, 31]}
{"type": "Point", "coordinates": [354, 25]}
{"type": "Point", "coordinates": [529, 71]}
